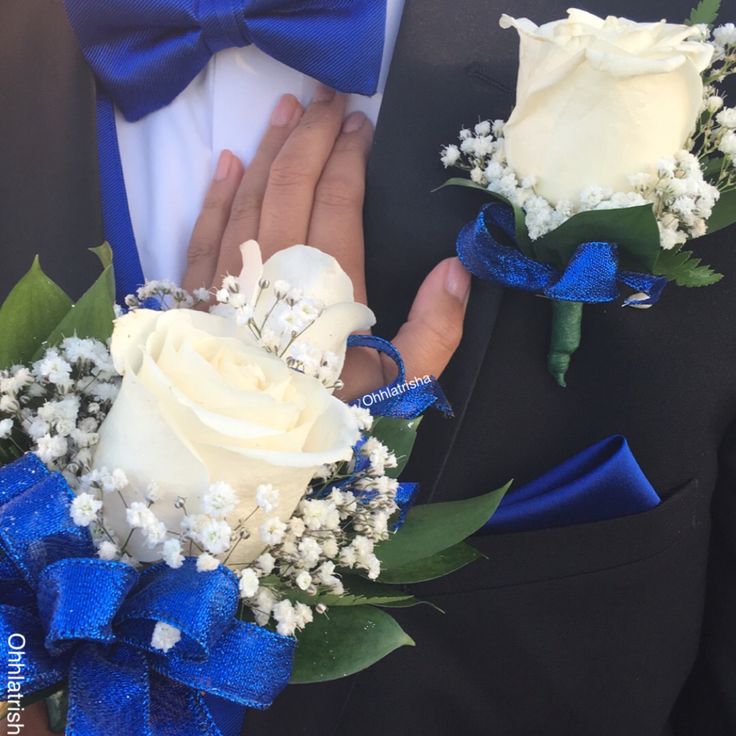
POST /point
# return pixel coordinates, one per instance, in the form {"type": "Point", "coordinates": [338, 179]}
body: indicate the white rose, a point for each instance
{"type": "Point", "coordinates": [201, 403]}
{"type": "Point", "coordinates": [599, 100]}
{"type": "Point", "coordinates": [319, 277]}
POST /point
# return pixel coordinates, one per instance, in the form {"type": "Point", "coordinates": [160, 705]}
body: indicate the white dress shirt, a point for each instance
{"type": "Point", "coordinates": [169, 156]}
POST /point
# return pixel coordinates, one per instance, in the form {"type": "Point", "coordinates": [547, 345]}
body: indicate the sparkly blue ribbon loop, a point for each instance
{"type": "Point", "coordinates": [146, 53]}
{"type": "Point", "coordinates": [401, 398]}
{"type": "Point", "coordinates": [93, 621]}
{"type": "Point", "coordinates": [591, 276]}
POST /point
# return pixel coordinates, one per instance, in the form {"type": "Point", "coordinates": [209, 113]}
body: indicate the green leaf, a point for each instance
{"type": "Point", "coordinates": [104, 253]}
{"type": "Point", "coordinates": [399, 436]}
{"type": "Point", "coordinates": [57, 708]}
{"type": "Point", "coordinates": [443, 563]}
{"type": "Point", "coordinates": [461, 181]}
{"type": "Point", "coordinates": [633, 229]}
{"type": "Point", "coordinates": [358, 592]}
{"type": "Point", "coordinates": [431, 528]}
{"type": "Point", "coordinates": [705, 12]}
{"type": "Point", "coordinates": [522, 234]}
{"type": "Point", "coordinates": [28, 315]}
{"type": "Point", "coordinates": [712, 168]}
{"type": "Point", "coordinates": [684, 269]}
{"type": "Point", "coordinates": [724, 213]}
{"type": "Point", "coordinates": [345, 641]}
{"type": "Point", "coordinates": [93, 314]}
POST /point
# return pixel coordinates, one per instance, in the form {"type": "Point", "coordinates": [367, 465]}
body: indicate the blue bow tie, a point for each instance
{"type": "Point", "coordinates": [145, 52]}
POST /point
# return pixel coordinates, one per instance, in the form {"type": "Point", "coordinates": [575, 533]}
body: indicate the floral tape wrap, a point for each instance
{"type": "Point", "coordinates": [91, 621]}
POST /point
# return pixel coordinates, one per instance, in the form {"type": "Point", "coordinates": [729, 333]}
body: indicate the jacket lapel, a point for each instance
{"type": "Point", "coordinates": [434, 87]}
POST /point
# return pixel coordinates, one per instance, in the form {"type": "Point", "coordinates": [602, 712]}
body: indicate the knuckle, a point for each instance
{"type": "Point", "coordinates": [202, 249]}
{"type": "Point", "coordinates": [214, 202]}
{"type": "Point", "coordinates": [247, 207]}
{"type": "Point", "coordinates": [350, 144]}
{"type": "Point", "coordinates": [291, 172]}
{"type": "Point", "coordinates": [340, 193]}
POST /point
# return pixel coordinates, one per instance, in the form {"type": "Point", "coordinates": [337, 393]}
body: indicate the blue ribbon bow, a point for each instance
{"type": "Point", "coordinates": [92, 620]}
{"type": "Point", "coordinates": [146, 52]}
{"type": "Point", "coordinates": [591, 276]}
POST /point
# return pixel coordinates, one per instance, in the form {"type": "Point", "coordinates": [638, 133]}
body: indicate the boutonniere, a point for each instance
{"type": "Point", "coordinates": [190, 517]}
{"type": "Point", "coordinates": [619, 151]}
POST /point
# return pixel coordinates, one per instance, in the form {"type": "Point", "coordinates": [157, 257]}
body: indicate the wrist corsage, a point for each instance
{"type": "Point", "coordinates": [189, 517]}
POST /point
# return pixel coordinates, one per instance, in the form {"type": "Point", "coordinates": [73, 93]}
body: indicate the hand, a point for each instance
{"type": "Point", "coordinates": [306, 184]}
{"type": "Point", "coordinates": [34, 721]}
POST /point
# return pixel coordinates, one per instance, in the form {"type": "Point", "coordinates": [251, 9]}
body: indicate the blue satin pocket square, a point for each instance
{"type": "Point", "coordinates": [600, 483]}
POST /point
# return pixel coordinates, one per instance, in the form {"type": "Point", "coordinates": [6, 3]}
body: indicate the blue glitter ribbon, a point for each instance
{"type": "Point", "coordinates": [401, 398]}
{"type": "Point", "coordinates": [92, 622]}
{"type": "Point", "coordinates": [591, 276]}
{"type": "Point", "coordinates": [145, 52]}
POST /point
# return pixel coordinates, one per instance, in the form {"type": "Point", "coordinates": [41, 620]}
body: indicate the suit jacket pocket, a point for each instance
{"type": "Point", "coordinates": [588, 630]}
{"type": "Point", "coordinates": [526, 557]}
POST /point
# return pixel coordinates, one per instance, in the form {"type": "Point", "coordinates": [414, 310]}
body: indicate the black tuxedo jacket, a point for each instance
{"type": "Point", "coordinates": [618, 628]}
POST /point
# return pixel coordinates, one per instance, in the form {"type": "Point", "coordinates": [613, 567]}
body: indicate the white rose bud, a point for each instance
{"type": "Point", "coordinates": [599, 100]}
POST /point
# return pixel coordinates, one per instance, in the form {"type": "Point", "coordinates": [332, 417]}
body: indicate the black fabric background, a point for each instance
{"type": "Point", "coordinates": [585, 631]}
{"type": "Point", "coordinates": [49, 202]}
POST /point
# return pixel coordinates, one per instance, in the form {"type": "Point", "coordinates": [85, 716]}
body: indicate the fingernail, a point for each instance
{"type": "Point", "coordinates": [353, 122]}
{"type": "Point", "coordinates": [223, 165]}
{"type": "Point", "coordinates": [457, 281]}
{"type": "Point", "coordinates": [323, 93]}
{"type": "Point", "coordinates": [284, 111]}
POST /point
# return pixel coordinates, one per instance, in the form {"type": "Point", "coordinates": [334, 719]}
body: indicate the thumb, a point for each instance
{"type": "Point", "coordinates": [430, 336]}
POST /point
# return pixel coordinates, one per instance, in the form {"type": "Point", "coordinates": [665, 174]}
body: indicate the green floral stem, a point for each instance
{"type": "Point", "coordinates": [567, 319]}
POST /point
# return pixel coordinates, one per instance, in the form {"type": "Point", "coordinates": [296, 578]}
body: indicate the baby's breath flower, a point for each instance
{"type": "Point", "coordinates": [50, 448]}
{"type": "Point", "coordinates": [450, 155]}
{"type": "Point", "coordinates": [108, 551]}
{"type": "Point", "coordinates": [727, 144]}
{"type": "Point", "coordinates": [725, 35]}
{"type": "Point", "coordinates": [263, 607]}
{"type": "Point", "coordinates": [249, 583]}
{"type": "Point", "coordinates": [272, 531]}
{"type": "Point", "coordinates": [165, 636]}
{"type": "Point", "coordinates": [207, 563]}
{"type": "Point", "coordinates": [220, 500]}
{"type": "Point", "coordinates": [214, 535]}
{"type": "Point", "coordinates": [172, 554]}
{"type": "Point", "coordinates": [266, 563]}
{"type": "Point", "coordinates": [303, 580]}
{"type": "Point", "coordinates": [285, 617]}
{"type": "Point", "coordinates": [267, 497]}
{"type": "Point", "coordinates": [84, 509]}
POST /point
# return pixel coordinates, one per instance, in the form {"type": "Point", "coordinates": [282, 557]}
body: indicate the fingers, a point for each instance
{"type": "Point", "coordinates": [289, 196]}
{"type": "Point", "coordinates": [204, 247]}
{"type": "Point", "coordinates": [246, 207]}
{"type": "Point", "coordinates": [336, 226]}
{"type": "Point", "coordinates": [430, 336]}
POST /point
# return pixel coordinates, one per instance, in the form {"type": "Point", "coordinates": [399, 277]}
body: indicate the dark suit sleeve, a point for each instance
{"type": "Point", "coordinates": [708, 703]}
{"type": "Point", "coordinates": [48, 157]}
